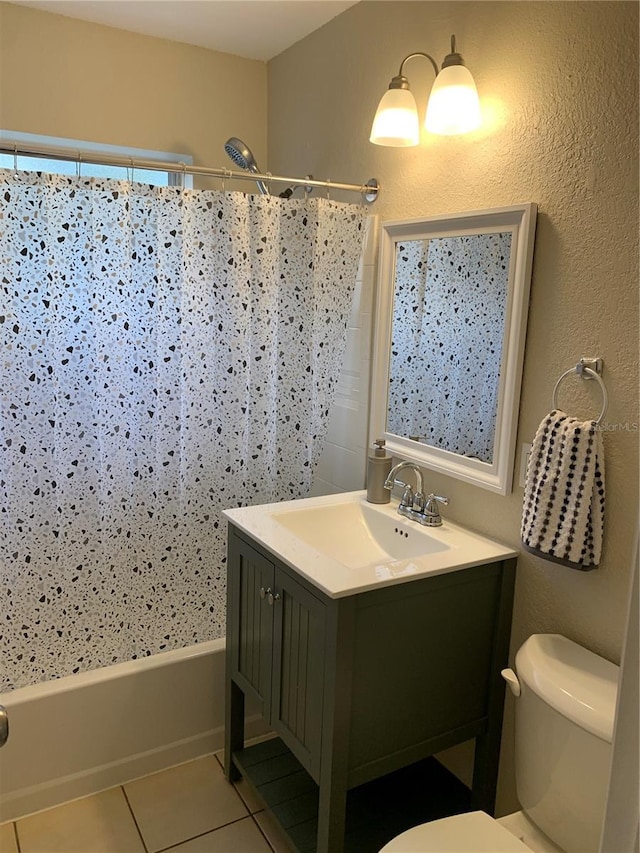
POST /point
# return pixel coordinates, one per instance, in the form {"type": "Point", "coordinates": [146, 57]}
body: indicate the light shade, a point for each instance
{"type": "Point", "coordinates": [396, 121]}
{"type": "Point", "coordinates": [453, 105]}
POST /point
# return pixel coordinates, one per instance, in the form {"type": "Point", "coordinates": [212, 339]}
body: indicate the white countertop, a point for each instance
{"type": "Point", "coordinates": [459, 548]}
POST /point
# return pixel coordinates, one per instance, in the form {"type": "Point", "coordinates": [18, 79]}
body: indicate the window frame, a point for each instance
{"type": "Point", "coordinates": [174, 179]}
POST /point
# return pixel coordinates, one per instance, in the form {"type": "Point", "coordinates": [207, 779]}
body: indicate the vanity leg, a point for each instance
{"type": "Point", "coordinates": [334, 764]}
{"type": "Point", "coordinates": [332, 809]}
{"type": "Point", "coordinates": [487, 751]}
{"type": "Point", "coordinates": [234, 728]}
{"type": "Point", "coordinates": [485, 775]}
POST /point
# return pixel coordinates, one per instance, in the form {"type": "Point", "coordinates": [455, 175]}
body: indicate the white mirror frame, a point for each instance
{"type": "Point", "coordinates": [520, 219]}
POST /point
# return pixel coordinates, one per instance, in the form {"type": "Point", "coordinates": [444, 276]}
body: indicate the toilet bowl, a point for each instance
{"type": "Point", "coordinates": [474, 832]}
{"type": "Point", "coordinates": [566, 697]}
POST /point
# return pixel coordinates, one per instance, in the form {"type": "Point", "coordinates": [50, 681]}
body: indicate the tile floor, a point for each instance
{"type": "Point", "coordinates": [190, 808]}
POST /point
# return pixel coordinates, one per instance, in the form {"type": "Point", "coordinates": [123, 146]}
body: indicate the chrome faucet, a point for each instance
{"type": "Point", "coordinates": [415, 505]}
{"type": "Point", "coordinates": [409, 497]}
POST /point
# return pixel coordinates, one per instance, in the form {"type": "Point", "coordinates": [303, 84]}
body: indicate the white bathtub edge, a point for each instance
{"type": "Point", "coordinates": [79, 735]}
{"type": "Point", "coordinates": [56, 686]}
{"type": "Point", "coordinates": [37, 798]}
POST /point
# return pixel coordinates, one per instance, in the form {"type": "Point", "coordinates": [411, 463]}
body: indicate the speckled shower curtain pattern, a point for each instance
{"type": "Point", "coordinates": [165, 354]}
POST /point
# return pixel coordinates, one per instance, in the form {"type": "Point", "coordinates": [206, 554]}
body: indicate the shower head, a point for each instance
{"type": "Point", "coordinates": [242, 157]}
{"type": "Point", "coordinates": [241, 154]}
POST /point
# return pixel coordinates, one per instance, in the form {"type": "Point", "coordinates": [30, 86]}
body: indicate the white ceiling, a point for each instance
{"type": "Point", "coordinates": [255, 29]}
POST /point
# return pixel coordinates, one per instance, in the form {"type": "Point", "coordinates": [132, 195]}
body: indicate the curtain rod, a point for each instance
{"type": "Point", "coordinates": [369, 191]}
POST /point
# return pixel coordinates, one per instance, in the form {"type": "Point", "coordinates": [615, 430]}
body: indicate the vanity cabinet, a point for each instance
{"type": "Point", "coordinates": [276, 647]}
{"type": "Point", "coordinates": [359, 686]}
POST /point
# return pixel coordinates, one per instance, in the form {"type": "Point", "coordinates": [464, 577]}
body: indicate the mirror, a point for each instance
{"type": "Point", "coordinates": [450, 329]}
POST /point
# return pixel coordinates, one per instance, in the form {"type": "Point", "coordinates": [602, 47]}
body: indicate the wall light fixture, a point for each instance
{"type": "Point", "coordinates": [453, 106]}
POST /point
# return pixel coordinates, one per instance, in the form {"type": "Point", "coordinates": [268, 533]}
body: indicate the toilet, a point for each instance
{"type": "Point", "coordinates": [565, 708]}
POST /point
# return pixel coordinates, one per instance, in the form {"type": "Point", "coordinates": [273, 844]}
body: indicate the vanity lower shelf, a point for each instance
{"type": "Point", "coordinates": [376, 811]}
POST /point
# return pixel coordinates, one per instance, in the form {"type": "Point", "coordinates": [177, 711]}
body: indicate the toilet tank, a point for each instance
{"type": "Point", "coordinates": [564, 727]}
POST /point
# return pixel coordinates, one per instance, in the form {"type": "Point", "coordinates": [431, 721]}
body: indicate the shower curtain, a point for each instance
{"type": "Point", "coordinates": [165, 354]}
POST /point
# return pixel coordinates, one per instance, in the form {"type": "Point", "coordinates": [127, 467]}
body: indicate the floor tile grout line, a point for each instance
{"type": "Point", "coordinates": [202, 834]}
{"type": "Point", "coordinates": [246, 804]}
{"type": "Point", "coordinates": [15, 836]}
{"type": "Point", "coordinates": [135, 820]}
{"type": "Point", "coordinates": [252, 814]}
{"type": "Point", "coordinates": [237, 790]}
{"type": "Point", "coordinates": [262, 832]}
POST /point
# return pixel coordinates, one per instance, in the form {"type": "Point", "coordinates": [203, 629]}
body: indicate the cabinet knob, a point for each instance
{"type": "Point", "coordinates": [272, 596]}
{"type": "Point", "coordinates": [264, 591]}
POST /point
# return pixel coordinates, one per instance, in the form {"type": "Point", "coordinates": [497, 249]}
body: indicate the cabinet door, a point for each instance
{"type": "Point", "coordinates": [298, 670]}
{"type": "Point", "coordinates": [251, 577]}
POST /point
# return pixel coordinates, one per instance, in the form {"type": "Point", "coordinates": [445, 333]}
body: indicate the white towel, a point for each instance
{"type": "Point", "coordinates": [563, 509]}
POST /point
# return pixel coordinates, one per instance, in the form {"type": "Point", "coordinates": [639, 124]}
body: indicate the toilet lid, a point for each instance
{"type": "Point", "coordinates": [474, 832]}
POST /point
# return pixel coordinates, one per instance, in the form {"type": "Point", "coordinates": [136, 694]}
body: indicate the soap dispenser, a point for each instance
{"type": "Point", "coordinates": [378, 468]}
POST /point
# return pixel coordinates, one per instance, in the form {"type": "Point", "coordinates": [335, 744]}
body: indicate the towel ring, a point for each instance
{"type": "Point", "coordinates": [580, 369]}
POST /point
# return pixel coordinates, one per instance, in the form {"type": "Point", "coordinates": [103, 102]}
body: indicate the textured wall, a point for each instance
{"type": "Point", "coordinates": [559, 94]}
{"type": "Point", "coordinates": [77, 80]}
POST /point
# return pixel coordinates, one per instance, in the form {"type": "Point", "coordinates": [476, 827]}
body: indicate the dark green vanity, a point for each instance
{"type": "Point", "coordinates": [358, 686]}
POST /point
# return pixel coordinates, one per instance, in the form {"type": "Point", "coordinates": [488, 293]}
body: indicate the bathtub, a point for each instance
{"type": "Point", "coordinates": [80, 734]}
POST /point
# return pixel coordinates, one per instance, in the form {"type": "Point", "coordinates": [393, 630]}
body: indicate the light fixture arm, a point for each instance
{"type": "Point", "coordinates": [410, 56]}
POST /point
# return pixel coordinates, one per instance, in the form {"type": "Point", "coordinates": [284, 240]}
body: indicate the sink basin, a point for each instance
{"type": "Point", "coordinates": [358, 534]}
{"type": "Point", "coordinates": [343, 545]}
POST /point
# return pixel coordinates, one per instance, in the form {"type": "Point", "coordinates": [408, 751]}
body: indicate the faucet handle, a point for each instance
{"type": "Point", "coordinates": [431, 498]}
{"type": "Point", "coordinates": [430, 514]}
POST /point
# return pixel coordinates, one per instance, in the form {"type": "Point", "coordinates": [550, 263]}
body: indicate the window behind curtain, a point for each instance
{"type": "Point", "coordinates": [68, 167]}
